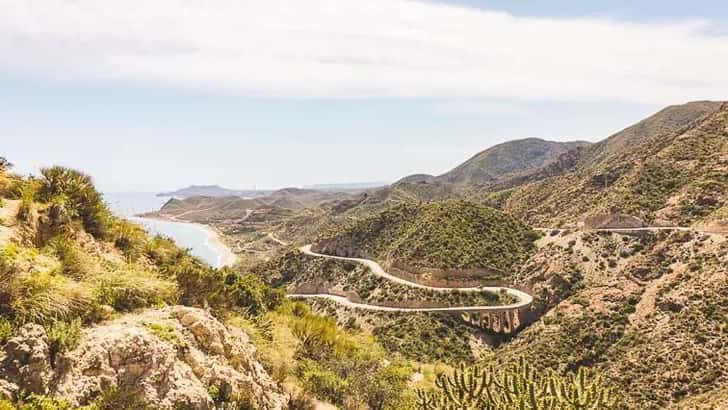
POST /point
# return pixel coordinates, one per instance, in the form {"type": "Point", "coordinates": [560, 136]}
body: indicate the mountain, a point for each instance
{"type": "Point", "coordinates": [498, 165]}
{"type": "Point", "coordinates": [212, 191]}
{"type": "Point", "coordinates": [670, 169]}
{"type": "Point", "coordinates": [415, 178]}
{"type": "Point", "coordinates": [506, 160]}
{"type": "Point", "coordinates": [646, 308]}
{"type": "Point", "coordinates": [346, 187]}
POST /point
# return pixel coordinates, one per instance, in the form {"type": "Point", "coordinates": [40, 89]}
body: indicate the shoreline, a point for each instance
{"type": "Point", "coordinates": [226, 257]}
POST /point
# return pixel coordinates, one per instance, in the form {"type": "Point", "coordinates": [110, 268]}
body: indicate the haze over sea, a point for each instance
{"type": "Point", "coordinates": [194, 237]}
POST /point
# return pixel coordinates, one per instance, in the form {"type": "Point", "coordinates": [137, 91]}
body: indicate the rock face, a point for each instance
{"type": "Point", "coordinates": [26, 363]}
{"type": "Point", "coordinates": [172, 356]}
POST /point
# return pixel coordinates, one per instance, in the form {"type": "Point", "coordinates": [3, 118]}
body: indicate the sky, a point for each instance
{"type": "Point", "coordinates": [153, 96]}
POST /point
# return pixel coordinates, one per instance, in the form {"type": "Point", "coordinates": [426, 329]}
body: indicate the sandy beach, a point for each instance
{"type": "Point", "coordinates": [214, 240]}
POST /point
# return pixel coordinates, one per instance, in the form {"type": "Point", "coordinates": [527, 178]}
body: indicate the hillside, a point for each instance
{"type": "Point", "coordinates": [495, 166]}
{"type": "Point", "coordinates": [212, 191]}
{"type": "Point", "coordinates": [440, 236]}
{"type": "Point", "coordinates": [671, 169]}
{"type": "Point", "coordinates": [231, 209]}
{"type": "Point", "coordinates": [96, 315]}
{"type": "Point", "coordinates": [648, 311]}
{"type": "Point", "coordinates": [506, 160]}
{"type": "Point", "coordinates": [80, 317]}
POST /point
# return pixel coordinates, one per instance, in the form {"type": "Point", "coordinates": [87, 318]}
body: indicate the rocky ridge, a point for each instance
{"type": "Point", "coordinates": [173, 357]}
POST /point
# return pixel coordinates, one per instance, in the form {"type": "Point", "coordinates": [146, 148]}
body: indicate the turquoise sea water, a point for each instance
{"type": "Point", "coordinates": [190, 236]}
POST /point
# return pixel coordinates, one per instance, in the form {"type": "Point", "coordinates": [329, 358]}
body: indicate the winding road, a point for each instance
{"type": "Point", "coordinates": [523, 298]}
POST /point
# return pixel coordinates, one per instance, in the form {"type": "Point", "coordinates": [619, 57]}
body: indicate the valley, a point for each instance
{"type": "Point", "coordinates": [561, 267]}
{"type": "Point", "coordinates": [606, 274]}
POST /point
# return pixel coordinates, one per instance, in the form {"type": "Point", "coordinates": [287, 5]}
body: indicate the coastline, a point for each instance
{"type": "Point", "coordinates": [226, 257]}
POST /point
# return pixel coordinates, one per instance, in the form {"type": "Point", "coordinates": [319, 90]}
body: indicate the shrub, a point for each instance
{"type": "Point", "coordinates": [198, 283]}
{"type": "Point", "coordinates": [120, 397]}
{"type": "Point", "coordinates": [315, 332]}
{"type": "Point", "coordinates": [45, 297]}
{"type": "Point", "coordinates": [5, 164]}
{"type": "Point", "coordinates": [167, 334]}
{"type": "Point", "coordinates": [250, 292]}
{"type": "Point", "coordinates": [74, 262]}
{"type": "Point", "coordinates": [128, 237]}
{"type": "Point", "coordinates": [27, 192]}
{"type": "Point", "coordinates": [77, 192]}
{"type": "Point", "coordinates": [6, 330]}
{"type": "Point", "coordinates": [322, 382]}
{"type": "Point", "coordinates": [389, 388]}
{"type": "Point", "coordinates": [62, 336]}
{"type": "Point", "coordinates": [130, 289]}
{"type": "Point", "coordinates": [40, 402]}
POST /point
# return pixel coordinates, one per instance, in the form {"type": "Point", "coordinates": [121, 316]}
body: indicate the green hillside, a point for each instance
{"type": "Point", "coordinates": [671, 168]}
{"type": "Point", "coordinates": [450, 234]}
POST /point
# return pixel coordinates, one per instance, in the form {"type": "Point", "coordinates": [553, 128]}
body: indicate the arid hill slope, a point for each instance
{"type": "Point", "coordinates": [671, 168]}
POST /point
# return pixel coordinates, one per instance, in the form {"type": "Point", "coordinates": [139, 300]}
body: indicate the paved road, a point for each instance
{"type": "Point", "coordinates": [276, 240]}
{"type": "Point", "coordinates": [523, 298]}
{"type": "Point", "coordinates": [642, 229]}
{"type": "Point", "coordinates": [346, 302]}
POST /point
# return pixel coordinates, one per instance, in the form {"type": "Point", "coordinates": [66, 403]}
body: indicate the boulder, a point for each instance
{"type": "Point", "coordinates": [26, 363]}
{"type": "Point", "coordinates": [173, 357]}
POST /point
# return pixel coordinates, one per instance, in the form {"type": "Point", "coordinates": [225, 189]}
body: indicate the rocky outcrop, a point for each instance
{"type": "Point", "coordinates": [26, 362]}
{"type": "Point", "coordinates": [173, 357]}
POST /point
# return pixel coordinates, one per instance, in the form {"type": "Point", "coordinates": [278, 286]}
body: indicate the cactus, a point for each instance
{"type": "Point", "coordinates": [465, 387]}
{"type": "Point", "coordinates": [517, 386]}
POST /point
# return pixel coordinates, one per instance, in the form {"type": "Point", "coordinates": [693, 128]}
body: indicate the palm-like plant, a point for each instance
{"type": "Point", "coordinates": [5, 164]}
{"type": "Point", "coordinates": [76, 191]}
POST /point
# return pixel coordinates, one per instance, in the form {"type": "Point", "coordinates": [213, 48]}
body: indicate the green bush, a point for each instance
{"type": "Point", "coordinates": [46, 297]}
{"type": "Point", "coordinates": [62, 336]}
{"type": "Point", "coordinates": [120, 397]}
{"type": "Point", "coordinates": [76, 191]}
{"type": "Point", "coordinates": [26, 191]}
{"type": "Point", "coordinates": [128, 237]}
{"type": "Point", "coordinates": [40, 402]}
{"type": "Point", "coordinates": [167, 334]}
{"type": "Point", "coordinates": [324, 383]}
{"type": "Point", "coordinates": [6, 330]}
{"type": "Point", "coordinates": [130, 289]}
{"type": "Point", "coordinates": [73, 261]}
{"type": "Point", "coordinates": [250, 292]}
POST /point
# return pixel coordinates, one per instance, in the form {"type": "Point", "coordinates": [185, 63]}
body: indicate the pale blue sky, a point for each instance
{"type": "Point", "coordinates": [270, 94]}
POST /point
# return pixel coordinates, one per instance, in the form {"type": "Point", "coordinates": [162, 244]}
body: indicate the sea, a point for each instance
{"type": "Point", "coordinates": [187, 235]}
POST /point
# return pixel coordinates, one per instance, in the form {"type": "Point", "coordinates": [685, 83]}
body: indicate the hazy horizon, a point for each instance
{"type": "Point", "coordinates": [150, 97]}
